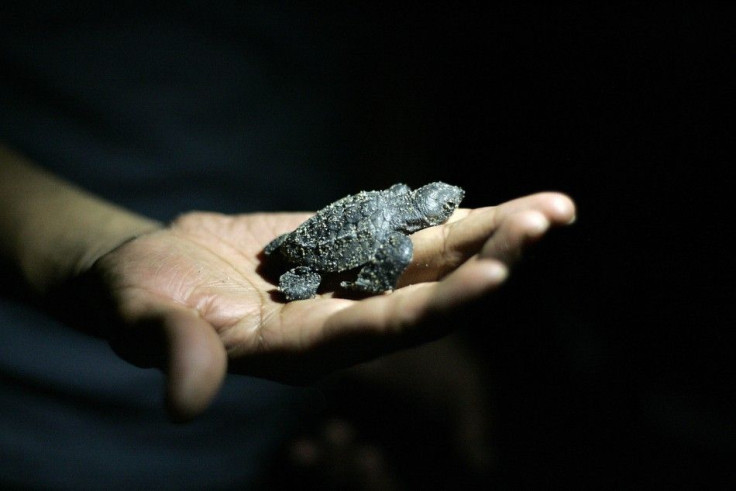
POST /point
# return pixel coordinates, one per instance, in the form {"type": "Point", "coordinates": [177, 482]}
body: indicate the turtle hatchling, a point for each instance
{"type": "Point", "coordinates": [368, 230]}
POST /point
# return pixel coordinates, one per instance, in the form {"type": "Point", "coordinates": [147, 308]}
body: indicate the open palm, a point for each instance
{"type": "Point", "coordinates": [194, 298]}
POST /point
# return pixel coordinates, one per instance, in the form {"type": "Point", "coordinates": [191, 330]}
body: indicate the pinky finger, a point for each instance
{"type": "Point", "coordinates": [400, 319]}
{"type": "Point", "coordinates": [477, 277]}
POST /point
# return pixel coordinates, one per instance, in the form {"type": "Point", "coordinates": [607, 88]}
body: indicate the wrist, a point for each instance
{"type": "Point", "coordinates": [51, 230]}
{"type": "Point", "coordinates": [87, 229]}
{"type": "Point", "coordinates": [101, 232]}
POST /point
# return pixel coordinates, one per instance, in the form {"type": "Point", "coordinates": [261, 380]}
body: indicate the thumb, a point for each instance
{"type": "Point", "coordinates": [196, 364]}
{"type": "Point", "coordinates": [183, 345]}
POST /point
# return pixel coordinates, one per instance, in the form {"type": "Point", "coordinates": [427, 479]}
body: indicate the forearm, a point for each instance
{"type": "Point", "coordinates": [50, 229]}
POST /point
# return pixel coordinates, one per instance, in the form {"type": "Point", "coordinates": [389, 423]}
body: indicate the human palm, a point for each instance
{"type": "Point", "coordinates": [194, 300]}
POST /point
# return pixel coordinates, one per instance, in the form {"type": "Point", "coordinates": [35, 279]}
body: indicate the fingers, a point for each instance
{"type": "Point", "coordinates": [336, 458]}
{"type": "Point", "coordinates": [196, 366]}
{"type": "Point", "coordinates": [501, 232]}
{"type": "Point", "coordinates": [388, 322]}
{"type": "Point", "coordinates": [472, 280]}
{"type": "Point", "coordinates": [471, 255]}
{"type": "Point", "coordinates": [310, 338]}
{"type": "Point", "coordinates": [557, 207]}
{"type": "Point", "coordinates": [518, 231]}
{"type": "Point", "coordinates": [178, 341]}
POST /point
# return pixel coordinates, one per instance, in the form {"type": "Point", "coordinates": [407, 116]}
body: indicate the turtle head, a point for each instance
{"type": "Point", "coordinates": [437, 201]}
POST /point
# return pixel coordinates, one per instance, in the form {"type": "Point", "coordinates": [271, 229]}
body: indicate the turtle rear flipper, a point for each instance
{"type": "Point", "coordinates": [383, 271]}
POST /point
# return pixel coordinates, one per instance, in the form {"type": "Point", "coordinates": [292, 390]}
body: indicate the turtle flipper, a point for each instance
{"type": "Point", "coordinates": [382, 272]}
{"type": "Point", "coordinates": [299, 283]}
{"type": "Point", "coordinates": [275, 244]}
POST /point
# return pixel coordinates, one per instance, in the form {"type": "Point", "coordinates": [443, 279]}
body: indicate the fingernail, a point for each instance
{"type": "Point", "coordinates": [564, 207]}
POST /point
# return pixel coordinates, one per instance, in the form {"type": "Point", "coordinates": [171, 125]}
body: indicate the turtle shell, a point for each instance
{"type": "Point", "coordinates": [342, 236]}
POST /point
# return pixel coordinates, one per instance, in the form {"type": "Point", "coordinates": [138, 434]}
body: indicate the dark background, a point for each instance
{"type": "Point", "coordinates": [610, 349]}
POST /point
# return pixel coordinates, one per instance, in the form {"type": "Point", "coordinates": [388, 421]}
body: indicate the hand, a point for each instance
{"type": "Point", "coordinates": [191, 299]}
{"type": "Point", "coordinates": [434, 395]}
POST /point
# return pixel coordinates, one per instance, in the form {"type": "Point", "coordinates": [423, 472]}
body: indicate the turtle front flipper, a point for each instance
{"type": "Point", "coordinates": [275, 244]}
{"type": "Point", "coordinates": [382, 272]}
{"type": "Point", "coordinates": [299, 283]}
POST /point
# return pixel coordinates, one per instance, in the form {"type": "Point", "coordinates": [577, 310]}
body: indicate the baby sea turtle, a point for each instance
{"type": "Point", "coordinates": [367, 229]}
